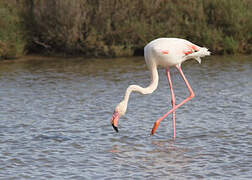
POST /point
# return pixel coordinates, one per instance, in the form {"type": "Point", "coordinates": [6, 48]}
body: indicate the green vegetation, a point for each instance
{"type": "Point", "coordinates": [12, 36]}
{"type": "Point", "coordinates": [123, 27]}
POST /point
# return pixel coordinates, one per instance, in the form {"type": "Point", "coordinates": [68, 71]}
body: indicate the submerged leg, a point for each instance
{"type": "Point", "coordinates": [177, 106]}
{"type": "Point", "coordinates": [172, 101]}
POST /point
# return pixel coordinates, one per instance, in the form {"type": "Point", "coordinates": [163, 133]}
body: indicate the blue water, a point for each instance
{"type": "Point", "coordinates": [55, 120]}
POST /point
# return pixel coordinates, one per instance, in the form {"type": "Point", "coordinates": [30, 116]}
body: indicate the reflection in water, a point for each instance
{"type": "Point", "coordinates": [55, 120]}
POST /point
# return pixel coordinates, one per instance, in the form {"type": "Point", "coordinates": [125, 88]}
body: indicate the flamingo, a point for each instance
{"type": "Point", "coordinates": [165, 52]}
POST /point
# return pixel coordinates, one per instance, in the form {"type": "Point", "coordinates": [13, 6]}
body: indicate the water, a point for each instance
{"type": "Point", "coordinates": [55, 120]}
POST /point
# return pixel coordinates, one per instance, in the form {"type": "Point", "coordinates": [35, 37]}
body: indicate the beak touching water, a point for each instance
{"type": "Point", "coordinates": [114, 120]}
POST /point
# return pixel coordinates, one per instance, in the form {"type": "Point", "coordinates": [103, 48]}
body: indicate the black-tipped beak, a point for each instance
{"type": "Point", "coordinates": [114, 121]}
{"type": "Point", "coordinates": [115, 128]}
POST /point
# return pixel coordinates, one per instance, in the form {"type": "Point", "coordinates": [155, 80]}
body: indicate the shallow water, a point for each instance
{"type": "Point", "coordinates": [55, 120]}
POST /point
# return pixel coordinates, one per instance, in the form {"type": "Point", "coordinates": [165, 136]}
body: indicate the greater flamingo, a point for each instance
{"type": "Point", "coordinates": [164, 52]}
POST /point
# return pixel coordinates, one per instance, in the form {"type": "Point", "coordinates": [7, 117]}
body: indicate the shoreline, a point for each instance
{"type": "Point", "coordinates": [34, 57]}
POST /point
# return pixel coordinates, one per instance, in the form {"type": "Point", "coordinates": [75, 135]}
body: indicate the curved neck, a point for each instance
{"type": "Point", "coordinates": [149, 89]}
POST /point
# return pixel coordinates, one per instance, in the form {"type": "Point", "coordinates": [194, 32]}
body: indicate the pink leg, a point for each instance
{"type": "Point", "coordinates": [172, 101]}
{"type": "Point", "coordinates": [176, 107]}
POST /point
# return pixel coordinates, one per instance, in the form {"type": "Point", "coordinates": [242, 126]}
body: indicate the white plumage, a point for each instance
{"type": "Point", "coordinates": [176, 49]}
{"type": "Point", "coordinates": [165, 52]}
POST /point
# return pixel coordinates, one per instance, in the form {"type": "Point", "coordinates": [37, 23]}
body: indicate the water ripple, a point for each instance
{"type": "Point", "coordinates": [55, 121]}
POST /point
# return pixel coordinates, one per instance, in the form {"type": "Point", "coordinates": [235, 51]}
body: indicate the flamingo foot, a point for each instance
{"type": "Point", "coordinates": [115, 128]}
{"type": "Point", "coordinates": [154, 128]}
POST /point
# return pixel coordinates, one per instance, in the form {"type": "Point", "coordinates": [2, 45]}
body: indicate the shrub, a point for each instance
{"type": "Point", "coordinates": [123, 27]}
{"type": "Point", "coordinates": [12, 36]}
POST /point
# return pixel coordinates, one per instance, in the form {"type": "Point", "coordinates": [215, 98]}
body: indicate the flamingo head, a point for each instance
{"type": "Point", "coordinates": [119, 111]}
